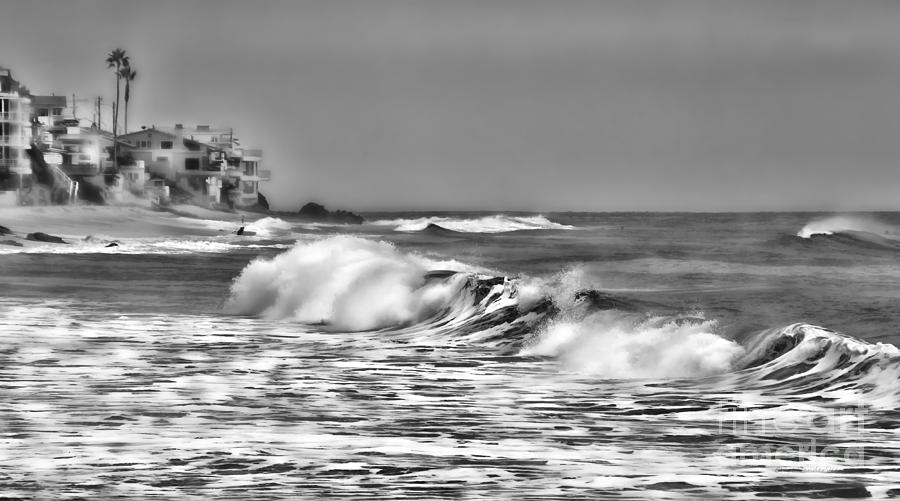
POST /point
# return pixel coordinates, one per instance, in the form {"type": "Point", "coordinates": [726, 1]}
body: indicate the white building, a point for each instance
{"type": "Point", "coordinates": [204, 161]}
{"type": "Point", "coordinates": [15, 138]}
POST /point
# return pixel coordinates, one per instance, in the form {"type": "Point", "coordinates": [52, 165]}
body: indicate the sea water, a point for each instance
{"type": "Point", "coordinates": [461, 355]}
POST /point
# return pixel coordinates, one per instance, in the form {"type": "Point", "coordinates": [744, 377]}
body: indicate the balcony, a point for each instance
{"type": "Point", "coordinates": [265, 175]}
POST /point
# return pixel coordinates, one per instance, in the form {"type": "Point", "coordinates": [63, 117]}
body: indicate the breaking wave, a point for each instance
{"type": "Point", "coordinates": [848, 224]}
{"type": "Point", "coordinates": [345, 283]}
{"type": "Point", "coordinates": [852, 231]}
{"type": "Point", "coordinates": [820, 364]}
{"type": "Point", "coordinates": [353, 284]}
{"type": "Point", "coordinates": [269, 227]}
{"type": "Point", "coordinates": [488, 224]}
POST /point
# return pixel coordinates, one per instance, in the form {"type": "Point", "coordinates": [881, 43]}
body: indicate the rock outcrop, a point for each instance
{"type": "Point", "coordinates": [43, 237]}
{"type": "Point", "coordinates": [319, 214]}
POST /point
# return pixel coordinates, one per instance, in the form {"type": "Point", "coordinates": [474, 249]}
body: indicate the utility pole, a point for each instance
{"type": "Point", "coordinates": [74, 115]}
{"type": "Point", "coordinates": [99, 114]}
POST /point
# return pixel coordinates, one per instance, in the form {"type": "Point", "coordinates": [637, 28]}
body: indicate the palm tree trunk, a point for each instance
{"type": "Point", "coordinates": [127, 95]}
{"type": "Point", "coordinates": [116, 109]}
{"type": "Point", "coordinates": [116, 125]}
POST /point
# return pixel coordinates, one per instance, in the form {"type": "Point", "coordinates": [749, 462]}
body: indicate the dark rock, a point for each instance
{"type": "Point", "coordinates": [10, 242]}
{"type": "Point", "coordinates": [319, 214]}
{"type": "Point", "coordinates": [438, 230]}
{"type": "Point", "coordinates": [4, 230]}
{"type": "Point", "coordinates": [43, 237]}
{"type": "Point", "coordinates": [313, 210]}
{"type": "Point", "coordinates": [112, 244]}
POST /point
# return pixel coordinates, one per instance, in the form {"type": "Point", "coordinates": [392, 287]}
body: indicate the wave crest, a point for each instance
{"type": "Point", "coordinates": [343, 282]}
{"type": "Point", "coordinates": [822, 364]}
{"type": "Point", "coordinates": [844, 224]}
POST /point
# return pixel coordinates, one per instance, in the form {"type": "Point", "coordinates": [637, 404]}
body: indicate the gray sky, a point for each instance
{"type": "Point", "coordinates": [495, 104]}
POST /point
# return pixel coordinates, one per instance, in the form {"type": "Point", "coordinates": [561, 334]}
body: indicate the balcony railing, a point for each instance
{"type": "Point", "coordinates": [265, 175]}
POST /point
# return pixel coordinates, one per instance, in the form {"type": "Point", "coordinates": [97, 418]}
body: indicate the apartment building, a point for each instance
{"type": "Point", "coordinates": [15, 139]}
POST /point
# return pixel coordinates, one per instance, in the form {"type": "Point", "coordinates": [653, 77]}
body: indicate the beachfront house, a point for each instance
{"type": "Point", "coordinates": [242, 163]}
{"type": "Point", "coordinates": [48, 110]}
{"type": "Point", "coordinates": [15, 138]}
{"type": "Point", "coordinates": [202, 161]}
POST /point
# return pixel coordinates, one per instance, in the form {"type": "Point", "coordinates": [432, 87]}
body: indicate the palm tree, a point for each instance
{"type": "Point", "coordinates": [116, 59]}
{"type": "Point", "coordinates": [127, 74]}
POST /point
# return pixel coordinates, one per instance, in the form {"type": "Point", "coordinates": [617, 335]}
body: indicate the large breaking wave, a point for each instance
{"type": "Point", "coordinates": [353, 284]}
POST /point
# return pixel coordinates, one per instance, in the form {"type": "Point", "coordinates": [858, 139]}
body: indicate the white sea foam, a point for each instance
{"type": "Point", "coordinates": [498, 223]}
{"type": "Point", "coordinates": [616, 345]}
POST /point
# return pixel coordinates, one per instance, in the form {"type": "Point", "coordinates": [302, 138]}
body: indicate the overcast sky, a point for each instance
{"type": "Point", "coordinates": [496, 104]}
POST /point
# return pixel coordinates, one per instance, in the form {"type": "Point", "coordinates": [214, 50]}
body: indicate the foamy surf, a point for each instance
{"type": "Point", "coordinates": [362, 368]}
{"type": "Point", "coordinates": [354, 284]}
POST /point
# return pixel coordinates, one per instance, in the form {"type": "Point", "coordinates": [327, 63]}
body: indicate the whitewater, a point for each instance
{"type": "Point", "coordinates": [448, 355]}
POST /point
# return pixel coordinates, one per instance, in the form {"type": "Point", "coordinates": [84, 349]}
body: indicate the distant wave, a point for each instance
{"type": "Point", "coordinates": [852, 231]}
{"type": "Point", "coordinates": [488, 224]}
{"type": "Point", "coordinates": [159, 246]}
{"type": "Point", "coordinates": [844, 224]}
{"type": "Point", "coordinates": [353, 284]}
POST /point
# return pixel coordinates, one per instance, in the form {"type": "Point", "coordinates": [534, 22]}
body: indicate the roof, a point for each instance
{"type": "Point", "coordinates": [187, 141]}
{"type": "Point", "coordinates": [50, 101]}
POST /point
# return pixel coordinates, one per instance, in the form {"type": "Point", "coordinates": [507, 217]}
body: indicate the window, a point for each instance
{"type": "Point", "coordinates": [43, 112]}
{"type": "Point", "coordinates": [166, 145]}
{"type": "Point", "coordinates": [192, 164]}
{"type": "Point", "coordinates": [162, 159]}
{"type": "Point", "coordinates": [249, 187]}
{"type": "Point", "coordinates": [215, 139]}
{"type": "Point", "coordinates": [57, 111]}
{"type": "Point", "coordinates": [144, 144]}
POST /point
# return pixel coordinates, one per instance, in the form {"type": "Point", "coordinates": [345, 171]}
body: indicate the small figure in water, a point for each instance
{"type": "Point", "coordinates": [240, 230]}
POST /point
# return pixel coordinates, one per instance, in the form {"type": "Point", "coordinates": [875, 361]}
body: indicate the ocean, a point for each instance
{"type": "Point", "coordinates": [449, 355]}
